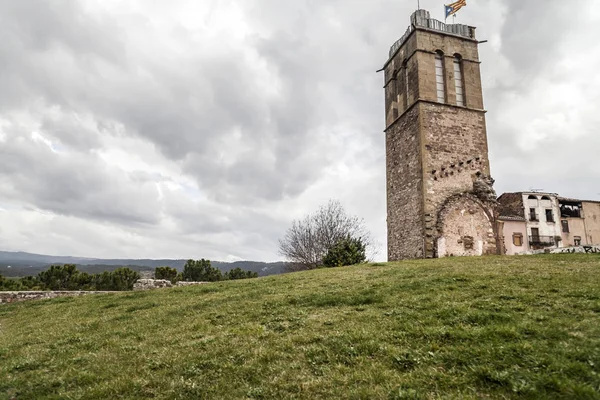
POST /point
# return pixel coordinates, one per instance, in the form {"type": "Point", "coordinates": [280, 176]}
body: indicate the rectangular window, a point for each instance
{"type": "Point", "coordinates": [549, 216]}
{"type": "Point", "coordinates": [518, 239]}
{"type": "Point", "coordinates": [577, 240]}
{"type": "Point", "coordinates": [532, 215]}
{"type": "Point", "coordinates": [439, 78]}
{"type": "Point", "coordinates": [535, 233]}
{"type": "Point", "coordinates": [565, 226]}
{"type": "Point", "coordinates": [458, 83]}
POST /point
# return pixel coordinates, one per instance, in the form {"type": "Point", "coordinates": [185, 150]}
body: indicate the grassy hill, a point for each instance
{"type": "Point", "coordinates": [498, 327]}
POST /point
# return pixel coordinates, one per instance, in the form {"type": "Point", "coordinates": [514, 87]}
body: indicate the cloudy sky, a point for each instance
{"type": "Point", "coordinates": [203, 128]}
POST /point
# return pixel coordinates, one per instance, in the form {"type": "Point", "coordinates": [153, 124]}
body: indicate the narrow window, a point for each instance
{"type": "Point", "coordinates": [458, 81]}
{"type": "Point", "coordinates": [549, 216]}
{"type": "Point", "coordinates": [406, 86]}
{"type": "Point", "coordinates": [518, 239]}
{"type": "Point", "coordinates": [439, 77]}
{"type": "Point", "coordinates": [565, 226]}
{"type": "Point", "coordinates": [532, 215]}
{"type": "Point", "coordinates": [577, 240]}
{"type": "Point", "coordinates": [535, 234]}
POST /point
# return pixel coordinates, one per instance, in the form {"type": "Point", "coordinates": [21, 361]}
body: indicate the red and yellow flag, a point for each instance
{"type": "Point", "coordinates": [451, 9]}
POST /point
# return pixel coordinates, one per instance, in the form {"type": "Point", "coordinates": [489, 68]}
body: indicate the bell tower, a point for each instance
{"type": "Point", "coordinates": [440, 199]}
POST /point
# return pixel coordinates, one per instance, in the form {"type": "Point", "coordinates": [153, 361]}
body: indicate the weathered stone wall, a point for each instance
{"type": "Point", "coordinates": [455, 155]}
{"type": "Point", "coordinates": [12, 297]}
{"type": "Point", "coordinates": [511, 205]}
{"type": "Point", "coordinates": [435, 151]}
{"type": "Point", "coordinates": [416, 59]}
{"type": "Point", "coordinates": [465, 228]}
{"type": "Point", "coordinates": [149, 284]}
{"type": "Point", "coordinates": [404, 188]}
{"type": "Point", "coordinates": [428, 43]}
{"type": "Point", "coordinates": [400, 92]}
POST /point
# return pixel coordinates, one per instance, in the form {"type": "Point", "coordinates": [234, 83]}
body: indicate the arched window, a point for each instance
{"type": "Point", "coordinates": [532, 197]}
{"type": "Point", "coordinates": [439, 77]}
{"type": "Point", "coordinates": [458, 81]}
{"type": "Point", "coordinates": [546, 198]}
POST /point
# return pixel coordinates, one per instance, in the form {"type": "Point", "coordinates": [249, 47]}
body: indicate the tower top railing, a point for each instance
{"type": "Point", "coordinates": [422, 19]}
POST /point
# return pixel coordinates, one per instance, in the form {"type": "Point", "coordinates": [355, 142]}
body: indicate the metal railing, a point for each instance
{"type": "Point", "coordinates": [542, 241]}
{"type": "Point", "coordinates": [421, 19]}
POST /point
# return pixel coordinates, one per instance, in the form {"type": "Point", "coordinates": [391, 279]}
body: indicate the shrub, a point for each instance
{"type": "Point", "coordinates": [59, 277]}
{"type": "Point", "coordinates": [120, 279]}
{"type": "Point", "coordinates": [167, 273]}
{"type": "Point", "coordinates": [348, 251]}
{"type": "Point", "coordinates": [201, 271]}
{"type": "Point", "coordinates": [238, 273]}
{"type": "Point", "coordinates": [10, 285]}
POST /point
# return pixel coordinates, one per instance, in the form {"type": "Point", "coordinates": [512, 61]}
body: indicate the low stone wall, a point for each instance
{"type": "Point", "coordinates": [13, 297]}
{"type": "Point", "coordinates": [150, 284]}
{"type": "Point", "coordinates": [191, 283]}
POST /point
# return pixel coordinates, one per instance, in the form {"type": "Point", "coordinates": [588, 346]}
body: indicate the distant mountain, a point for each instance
{"type": "Point", "coordinates": [15, 264]}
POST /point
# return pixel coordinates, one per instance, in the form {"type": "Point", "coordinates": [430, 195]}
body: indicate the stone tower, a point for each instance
{"type": "Point", "coordinates": [440, 199]}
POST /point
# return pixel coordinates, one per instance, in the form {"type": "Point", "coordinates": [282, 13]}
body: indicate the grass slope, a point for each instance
{"type": "Point", "coordinates": [495, 327]}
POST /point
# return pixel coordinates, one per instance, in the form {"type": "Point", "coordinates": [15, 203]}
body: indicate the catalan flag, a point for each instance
{"type": "Point", "coordinates": [451, 9]}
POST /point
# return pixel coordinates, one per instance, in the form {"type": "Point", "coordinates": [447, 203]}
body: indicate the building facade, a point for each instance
{"type": "Point", "coordinates": [440, 197]}
{"type": "Point", "coordinates": [513, 235]}
{"type": "Point", "coordinates": [549, 221]}
{"type": "Point", "coordinates": [580, 222]}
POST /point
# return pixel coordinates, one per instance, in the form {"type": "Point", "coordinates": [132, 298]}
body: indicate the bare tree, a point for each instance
{"type": "Point", "coordinates": [308, 240]}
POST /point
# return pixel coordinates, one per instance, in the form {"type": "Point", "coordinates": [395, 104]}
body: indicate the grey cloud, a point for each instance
{"type": "Point", "coordinates": [77, 185]}
{"type": "Point", "coordinates": [289, 116]}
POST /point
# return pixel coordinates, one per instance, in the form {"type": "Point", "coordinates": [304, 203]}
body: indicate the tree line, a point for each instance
{"type": "Point", "coordinates": [68, 277]}
{"type": "Point", "coordinates": [201, 271]}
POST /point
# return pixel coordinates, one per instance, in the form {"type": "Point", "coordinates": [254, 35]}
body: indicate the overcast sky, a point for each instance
{"type": "Point", "coordinates": [194, 129]}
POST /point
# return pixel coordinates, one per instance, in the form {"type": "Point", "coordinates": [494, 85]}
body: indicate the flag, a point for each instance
{"type": "Point", "coordinates": [451, 9]}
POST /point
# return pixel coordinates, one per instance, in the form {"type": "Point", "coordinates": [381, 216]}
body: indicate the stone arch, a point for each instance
{"type": "Point", "coordinates": [465, 227]}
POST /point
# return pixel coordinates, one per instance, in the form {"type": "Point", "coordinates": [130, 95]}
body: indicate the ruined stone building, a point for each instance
{"type": "Point", "coordinates": [440, 200]}
{"type": "Point", "coordinates": [530, 221]}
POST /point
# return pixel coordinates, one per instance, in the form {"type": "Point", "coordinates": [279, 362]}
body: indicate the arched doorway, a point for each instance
{"type": "Point", "coordinates": [465, 228]}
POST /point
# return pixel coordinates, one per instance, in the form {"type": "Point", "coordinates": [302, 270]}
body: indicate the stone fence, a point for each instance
{"type": "Point", "coordinates": [13, 297]}
{"type": "Point", "coordinates": [141, 284]}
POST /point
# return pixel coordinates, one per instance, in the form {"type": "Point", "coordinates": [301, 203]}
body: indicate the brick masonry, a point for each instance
{"type": "Point", "coordinates": [437, 153]}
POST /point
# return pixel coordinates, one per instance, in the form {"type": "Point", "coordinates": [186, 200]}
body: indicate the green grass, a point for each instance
{"type": "Point", "coordinates": [498, 327]}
